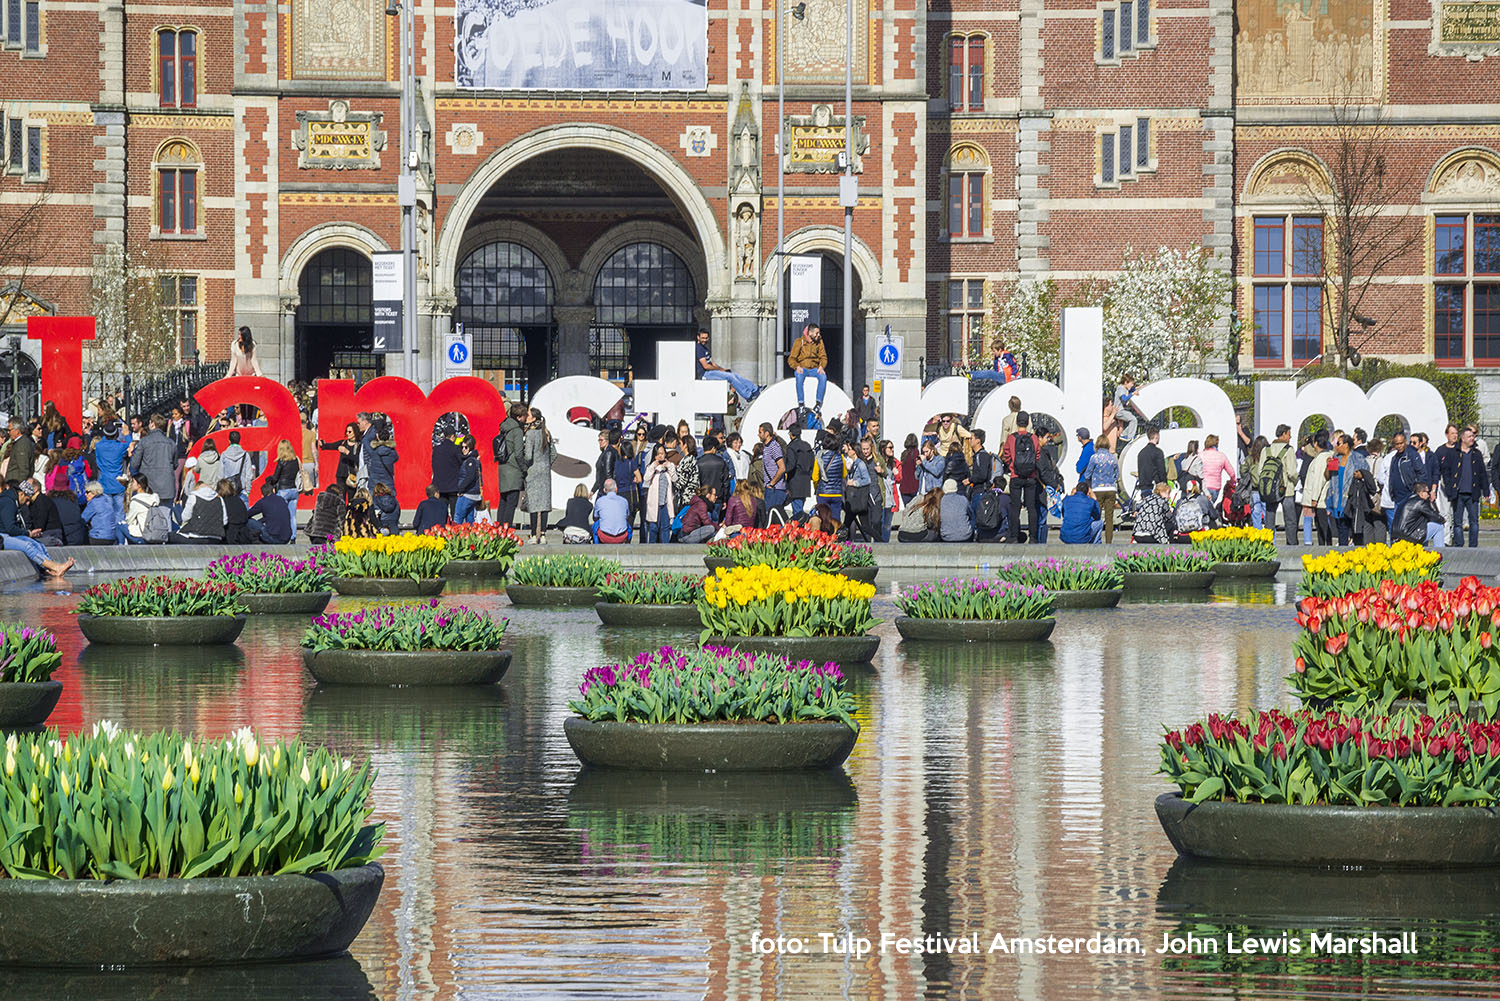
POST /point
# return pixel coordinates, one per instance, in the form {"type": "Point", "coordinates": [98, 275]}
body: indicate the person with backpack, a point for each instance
{"type": "Point", "coordinates": [506, 448]}
{"type": "Point", "coordinates": [799, 474]}
{"type": "Point", "coordinates": [1276, 483]}
{"type": "Point", "coordinates": [1194, 512]}
{"type": "Point", "coordinates": [143, 500]}
{"type": "Point", "coordinates": [859, 498]}
{"type": "Point", "coordinates": [1021, 456]}
{"type": "Point", "coordinates": [236, 462]}
{"type": "Point", "coordinates": [327, 521]}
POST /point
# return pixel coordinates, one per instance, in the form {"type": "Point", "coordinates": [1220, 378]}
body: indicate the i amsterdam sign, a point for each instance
{"type": "Point", "coordinates": [1076, 401]}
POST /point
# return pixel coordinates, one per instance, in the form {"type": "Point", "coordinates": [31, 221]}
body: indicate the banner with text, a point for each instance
{"type": "Point", "coordinates": [387, 296]}
{"type": "Point", "coordinates": [582, 44]}
{"type": "Point", "coordinates": [806, 291]}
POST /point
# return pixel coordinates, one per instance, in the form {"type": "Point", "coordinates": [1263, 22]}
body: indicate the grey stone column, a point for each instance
{"type": "Point", "coordinates": [573, 324]}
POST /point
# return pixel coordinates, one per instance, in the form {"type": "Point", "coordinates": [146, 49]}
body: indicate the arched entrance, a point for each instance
{"type": "Point", "coordinates": [831, 311]}
{"type": "Point", "coordinates": [334, 323]}
{"type": "Point", "coordinates": [600, 199]}
{"type": "Point", "coordinates": [643, 294]}
{"type": "Point", "coordinates": [505, 296]}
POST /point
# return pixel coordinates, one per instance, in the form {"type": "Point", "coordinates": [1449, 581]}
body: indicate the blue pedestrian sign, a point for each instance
{"type": "Point", "coordinates": [888, 348]}
{"type": "Point", "coordinates": [458, 353]}
{"type": "Point", "coordinates": [889, 356]}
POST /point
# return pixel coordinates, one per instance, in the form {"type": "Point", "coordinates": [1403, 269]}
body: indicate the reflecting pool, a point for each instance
{"type": "Point", "coordinates": [993, 792]}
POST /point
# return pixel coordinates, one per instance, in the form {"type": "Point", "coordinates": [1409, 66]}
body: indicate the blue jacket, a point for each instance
{"type": "Point", "coordinates": [99, 515]}
{"type": "Point", "coordinates": [1407, 470]}
{"type": "Point", "coordinates": [1084, 456]}
{"type": "Point", "coordinates": [1079, 512]}
{"type": "Point", "coordinates": [110, 455]}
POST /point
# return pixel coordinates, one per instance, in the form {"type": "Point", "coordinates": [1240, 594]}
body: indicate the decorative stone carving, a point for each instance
{"type": "Point", "coordinates": [289, 303]}
{"type": "Point", "coordinates": [464, 139]}
{"type": "Point", "coordinates": [339, 139]}
{"type": "Point", "coordinates": [744, 169]}
{"type": "Point", "coordinates": [814, 142]}
{"type": "Point", "coordinates": [1467, 28]}
{"type": "Point", "coordinates": [1468, 177]}
{"type": "Point", "coordinates": [16, 305]}
{"type": "Point", "coordinates": [746, 242]}
{"type": "Point", "coordinates": [1290, 176]}
{"type": "Point", "coordinates": [1290, 53]}
{"type": "Point", "coordinates": [815, 45]}
{"type": "Point", "coordinates": [338, 39]}
{"type": "Point", "coordinates": [698, 141]}
{"type": "Point", "coordinates": [440, 303]}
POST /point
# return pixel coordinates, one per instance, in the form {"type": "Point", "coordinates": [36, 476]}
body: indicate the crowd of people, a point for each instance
{"type": "Point", "coordinates": [126, 481]}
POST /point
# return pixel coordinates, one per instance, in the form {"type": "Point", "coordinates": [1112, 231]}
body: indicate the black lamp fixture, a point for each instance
{"type": "Point", "coordinates": [799, 11]}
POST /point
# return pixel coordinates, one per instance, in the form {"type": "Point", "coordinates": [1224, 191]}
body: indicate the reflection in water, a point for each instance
{"type": "Point", "coordinates": [1002, 789]}
{"type": "Point", "coordinates": [337, 979]}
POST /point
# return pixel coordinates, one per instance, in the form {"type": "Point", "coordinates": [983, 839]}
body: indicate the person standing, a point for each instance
{"type": "Point", "coordinates": [155, 457]}
{"type": "Point", "coordinates": [1276, 482]}
{"type": "Point", "coordinates": [244, 360]}
{"type": "Point", "coordinates": [21, 452]}
{"type": "Point", "coordinates": [830, 475]}
{"type": "Point", "coordinates": [773, 465]}
{"type": "Point", "coordinates": [1465, 481]}
{"type": "Point", "coordinates": [236, 462]}
{"type": "Point", "coordinates": [506, 449]}
{"type": "Point", "coordinates": [858, 499]}
{"type": "Point", "coordinates": [346, 477]}
{"type": "Point", "coordinates": [283, 480]}
{"type": "Point", "coordinates": [1102, 476]}
{"type": "Point", "coordinates": [1021, 456]}
{"type": "Point", "coordinates": [470, 482]}
{"type": "Point", "coordinates": [738, 457]}
{"type": "Point", "coordinates": [110, 456]}
{"type": "Point", "coordinates": [538, 452]}
{"type": "Point", "coordinates": [660, 505]}
{"type": "Point", "coordinates": [868, 409]}
{"type": "Point", "coordinates": [1435, 462]}
{"type": "Point", "coordinates": [1218, 471]}
{"type": "Point", "coordinates": [713, 471]}
{"type": "Point", "coordinates": [1086, 451]}
{"type": "Point", "coordinates": [447, 457]}
{"type": "Point", "coordinates": [609, 457]}
{"type": "Point", "coordinates": [747, 390]}
{"type": "Point", "coordinates": [1150, 463]}
{"type": "Point", "coordinates": [1349, 466]}
{"type": "Point", "coordinates": [381, 466]}
{"type": "Point", "coordinates": [809, 360]}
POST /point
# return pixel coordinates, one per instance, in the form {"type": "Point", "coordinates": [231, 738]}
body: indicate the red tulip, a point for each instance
{"type": "Point", "coordinates": [1302, 665]}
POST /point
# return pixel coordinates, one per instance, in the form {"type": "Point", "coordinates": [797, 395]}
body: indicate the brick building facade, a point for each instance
{"type": "Point", "coordinates": [250, 152]}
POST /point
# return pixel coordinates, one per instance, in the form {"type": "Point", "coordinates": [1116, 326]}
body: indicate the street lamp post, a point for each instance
{"type": "Point", "coordinates": [798, 11]}
{"type": "Point", "coordinates": [848, 195]}
{"type": "Point", "coordinates": [406, 189]}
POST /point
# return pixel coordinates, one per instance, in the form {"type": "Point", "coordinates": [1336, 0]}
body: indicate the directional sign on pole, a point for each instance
{"type": "Point", "coordinates": [458, 353]}
{"type": "Point", "coordinates": [888, 351]}
{"type": "Point", "coordinates": [387, 293]}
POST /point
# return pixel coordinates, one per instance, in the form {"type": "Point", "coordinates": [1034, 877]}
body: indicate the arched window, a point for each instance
{"type": "Point", "coordinates": [502, 287]}
{"type": "Point", "coordinates": [644, 284]}
{"type": "Point", "coordinates": [966, 72]}
{"type": "Point", "coordinates": [1464, 193]}
{"type": "Point", "coordinates": [177, 66]}
{"type": "Point", "coordinates": [178, 165]}
{"type": "Point", "coordinates": [1286, 260]}
{"type": "Point", "coordinates": [968, 202]}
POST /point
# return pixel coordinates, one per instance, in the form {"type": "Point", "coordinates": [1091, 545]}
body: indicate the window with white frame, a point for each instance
{"type": "Point", "coordinates": [1287, 294]}
{"type": "Point", "coordinates": [965, 317]}
{"type": "Point", "coordinates": [1466, 289]}
{"type": "Point", "coordinates": [181, 303]}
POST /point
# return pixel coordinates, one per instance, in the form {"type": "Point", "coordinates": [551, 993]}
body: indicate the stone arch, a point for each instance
{"type": "Point", "coordinates": [657, 162]}
{"type": "Point", "coordinates": [1465, 175]}
{"type": "Point", "coordinates": [1287, 175]}
{"type": "Point", "coordinates": [829, 240]}
{"type": "Point", "coordinates": [517, 232]}
{"type": "Point", "coordinates": [645, 231]}
{"type": "Point", "coordinates": [320, 238]}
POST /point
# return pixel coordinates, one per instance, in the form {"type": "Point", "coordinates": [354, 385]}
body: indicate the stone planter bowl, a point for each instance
{"type": "Point", "coordinates": [614, 613]}
{"type": "Point", "coordinates": [1188, 580]}
{"type": "Point", "coordinates": [389, 587]}
{"type": "Point", "coordinates": [27, 704]}
{"type": "Point", "coordinates": [530, 595]}
{"type": "Point", "coordinates": [975, 630]}
{"type": "Point", "coordinates": [841, 650]}
{"type": "Point", "coordinates": [475, 568]}
{"type": "Point", "coordinates": [1086, 599]}
{"type": "Point", "coordinates": [1248, 568]}
{"type": "Point", "coordinates": [158, 630]}
{"type": "Point", "coordinates": [865, 575]}
{"type": "Point", "coordinates": [698, 747]}
{"type": "Point", "coordinates": [1379, 836]}
{"type": "Point", "coordinates": [304, 603]}
{"type": "Point", "coordinates": [718, 563]}
{"type": "Point", "coordinates": [396, 667]}
{"type": "Point", "coordinates": [184, 922]}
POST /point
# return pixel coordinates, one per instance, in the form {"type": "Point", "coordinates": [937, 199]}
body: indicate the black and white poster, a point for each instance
{"type": "Point", "coordinates": [806, 291]}
{"type": "Point", "coordinates": [641, 45]}
{"type": "Point", "coordinates": [387, 295]}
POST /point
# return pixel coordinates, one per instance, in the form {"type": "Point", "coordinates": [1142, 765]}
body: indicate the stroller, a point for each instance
{"type": "Point", "coordinates": [1236, 504]}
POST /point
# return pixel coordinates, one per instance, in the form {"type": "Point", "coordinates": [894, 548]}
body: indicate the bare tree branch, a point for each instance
{"type": "Point", "coordinates": [20, 245]}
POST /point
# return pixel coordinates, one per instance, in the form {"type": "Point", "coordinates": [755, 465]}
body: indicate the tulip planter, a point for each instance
{"type": "Point", "coordinates": [1251, 569]}
{"type": "Point", "coordinates": [184, 922]}
{"type": "Point", "coordinates": [614, 613]}
{"type": "Point", "coordinates": [1182, 580]}
{"type": "Point", "coordinates": [1087, 599]}
{"type": "Point", "coordinates": [865, 575]}
{"type": "Point", "coordinates": [531, 595]}
{"type": "Point", "coordinates": [400, 667]}
{"type": "Point", "coordinates": [837, 649]}
{"type": "Point", "coordinates": [475, 568]}
{"type": "Point", "coordinates": [698, 747]}
{"type": "Point", "coordinates": [27, 704]}
{"type": "Point", "coordinates": [718, 563]}
{"type": "Point", "coordinates": [1281, 835]}
{"type": "Point", "coordinates": [287, 603]}
{"type": "Point", "coordinates": [389, 587]}
{"type": "Point", "coordinates": [975, 630]}
{"type": "Point", "coordinates": [153, 630]}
